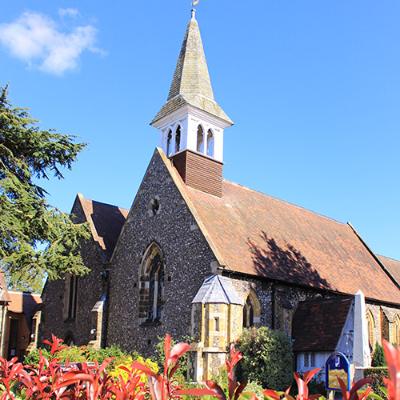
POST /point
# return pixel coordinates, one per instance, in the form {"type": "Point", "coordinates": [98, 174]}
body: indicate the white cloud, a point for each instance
{"type": "Point", "coordinates": [38, 41]}
{"type": "Point", "coordinates": [68, 12]}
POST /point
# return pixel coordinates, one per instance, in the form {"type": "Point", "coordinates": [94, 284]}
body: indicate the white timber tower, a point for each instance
{"type": "Point", "coordinates": [191, 119]}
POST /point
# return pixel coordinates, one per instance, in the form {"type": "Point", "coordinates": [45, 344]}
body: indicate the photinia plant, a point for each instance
{"type": "Point", "coordinates": [302, 387]}
{"type": "Point", "coordinates": [51, 380]}
{"type": "Point", "coordinates": [10, 372]}
{"type": "Point", "coordinates": [163, 386]}
{"type": "Point", "coordinates": [55, 344]}
{"type": "Point", "coordinates": [353, 394]}
{"type": "Point", "coordinates": [235, 388]}
{"type": "Point", "coordinates": [392, 355]}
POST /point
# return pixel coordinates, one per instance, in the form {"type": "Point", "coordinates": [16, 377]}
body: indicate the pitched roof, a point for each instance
{"type": "Point", "coordinates": [23, 302]}
{"type": "Point", "coordinates": [317, 324]}
{"type": "Point", "coordinates": [217, 289]}
{"type": "Point", "coordinates": [252, 233]}
{"type": "Point", "coordinates": [105, 221]}
{"type": "Point", "coordinates": [191, 84]}
{"type": "Point", "coordinates": [393, 266]}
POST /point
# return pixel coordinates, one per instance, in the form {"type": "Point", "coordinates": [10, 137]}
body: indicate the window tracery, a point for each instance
{"type": "Point", "coordinates": [251, 310]}
{"type": "Point", "coordinates": [151, 296]}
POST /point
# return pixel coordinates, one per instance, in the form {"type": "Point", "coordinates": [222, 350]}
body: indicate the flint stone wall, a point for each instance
{"type": "Point", "coordinates": [89, 291]}
{"type": "Point", "coordinates": [187, 262]}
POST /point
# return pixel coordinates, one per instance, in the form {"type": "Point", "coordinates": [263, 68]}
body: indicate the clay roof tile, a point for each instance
{"type": "Point", "coordinates": [256, 234]}
{"type": "Point", "coordinates": [105, 221]}
{"type": "Point", "coordinates": [318, 324]}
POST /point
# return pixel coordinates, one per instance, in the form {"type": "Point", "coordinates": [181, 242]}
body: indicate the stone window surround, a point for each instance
{"type": "Point", "coordinates": [206, 145]}
{"type": "Point", "coordinates": [251, 310]}
{"type": "Point", "coordinates": [371, 329]}
{"type": "Point", "coordinates": [70, 298]}
{"type": "Point", "coordinates": [150, 311]}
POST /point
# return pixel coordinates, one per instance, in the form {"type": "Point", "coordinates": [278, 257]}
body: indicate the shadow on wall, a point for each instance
{"type": "Point", "coordinates": [284, 263]}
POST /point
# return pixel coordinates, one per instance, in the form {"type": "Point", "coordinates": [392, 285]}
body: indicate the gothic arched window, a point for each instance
{"type": "Point", "coordinates": [385, 326]}
{"type": "Point", "coordinates": [70, 297]}
{"type": "Point", "coordinates": [210, 143]}
{"type": "Point", "coordinates": [251, 310]}
{"type": "Point", "coordinates": [151, 297]}
{"type": "Point", "coordinates": [248, 314]}
{"type": "Point", "coordinates": [371, 330]}
{"type": "Point", "coordinates": [169, 139]}
{"type": "Point", "coordinates": [200, 139]}
{"type": "Point", "coordinates": [178, 139]}
{"type": "Point", "coordinates": [396, 329]}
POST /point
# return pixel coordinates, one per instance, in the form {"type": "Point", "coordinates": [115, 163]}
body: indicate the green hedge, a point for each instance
{"type": "Point", "coordinates": [377, 375]}
{"type": "Point", "coordinates": [267, 358]}
{"type": "Point", "coordinates": [81, 354]}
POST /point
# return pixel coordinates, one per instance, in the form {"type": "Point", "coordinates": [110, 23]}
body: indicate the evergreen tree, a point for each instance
{"type": "Point", "coordinates": [378, 357]}
{"type": "Point", "coordinates": [36, 239]}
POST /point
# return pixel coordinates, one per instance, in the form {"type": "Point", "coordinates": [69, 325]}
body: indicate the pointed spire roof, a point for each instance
{"type": "Point", "coordinates": [217, 289]}
{"type": "Point", "coordinates": [191, 84]}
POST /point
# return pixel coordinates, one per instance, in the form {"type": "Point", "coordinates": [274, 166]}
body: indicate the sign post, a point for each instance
{"type": "Point", "coordinates": [337, 366]}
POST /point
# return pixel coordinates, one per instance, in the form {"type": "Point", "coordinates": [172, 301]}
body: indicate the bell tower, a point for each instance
{"type": "Point", "coordinates": [191, 123]}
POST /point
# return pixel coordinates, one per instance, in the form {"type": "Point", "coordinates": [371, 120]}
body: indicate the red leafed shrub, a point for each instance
{"type": "Point", "coordinates": [51, 380]}
{"type": "Point", "coordinates": [163, 386]}
{"type": "Point", "coordinates": [392, 355]}
{"type": "Point", "coordinates": [354, 394]}
{"type": "Point", "coordinates": [303, 392]}
{"type": "Point", "coordinates": [302, 387]}
{"type": "Point", "coordinates": [235, 388]}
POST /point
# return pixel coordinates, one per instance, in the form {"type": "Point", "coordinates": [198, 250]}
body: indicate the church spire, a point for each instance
{"type": "Point", "coordinates": [191, 122]}
{"type": "Point", "coordinates": [191, 84]}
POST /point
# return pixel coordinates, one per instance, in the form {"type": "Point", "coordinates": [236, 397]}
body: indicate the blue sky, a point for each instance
{"type": "Point", "coordinates": [313, 87]}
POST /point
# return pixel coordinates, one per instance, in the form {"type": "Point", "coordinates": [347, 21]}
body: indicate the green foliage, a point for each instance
{"type": "Point", "coordinates": [316, 387]}
{"type": "Point", "coordinates": [378, 357]}
{"type": "Point", "coordinates": [35, 238]}
{"type": "Point", "coordinates": [82, 354]}
{"type": "Point", "coordinates": [377, 375]}
{"type": "Point", "coordinates": [267, 358]}
{"type": "Point", "coordinates": [254, 387]}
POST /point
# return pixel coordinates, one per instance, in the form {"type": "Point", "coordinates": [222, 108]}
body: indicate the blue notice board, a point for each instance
{"type": "Point", "coordinates": [337, 366]}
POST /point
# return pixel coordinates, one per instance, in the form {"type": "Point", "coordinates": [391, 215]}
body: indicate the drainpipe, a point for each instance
{"type": "Point", "coordinates": [2, 328]}
{"type": "Point", "coordinates": [273, 306]}
{"type": "Point", "coordinates": [106, 297]}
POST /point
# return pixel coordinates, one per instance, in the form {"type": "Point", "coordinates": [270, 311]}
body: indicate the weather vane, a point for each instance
{"type": "Point", "coordinates": [194, 4]}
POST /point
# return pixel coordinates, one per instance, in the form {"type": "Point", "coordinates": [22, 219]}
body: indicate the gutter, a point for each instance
{"type": "Point", "coordinates": [236, 274]}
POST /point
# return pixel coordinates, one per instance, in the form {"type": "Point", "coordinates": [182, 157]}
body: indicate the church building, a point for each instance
{"type": "Point", "coordinates": [197, 255]}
